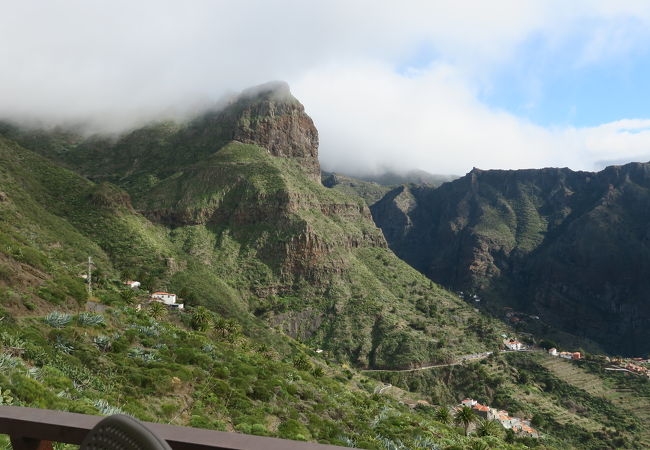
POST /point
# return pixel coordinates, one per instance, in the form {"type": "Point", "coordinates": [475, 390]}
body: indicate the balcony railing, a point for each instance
{"type": "Point", "coordinates": [36, 429]}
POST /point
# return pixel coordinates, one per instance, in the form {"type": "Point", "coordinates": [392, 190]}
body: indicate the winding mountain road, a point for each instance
{"type": "Point", "coordinates": [460, 360]}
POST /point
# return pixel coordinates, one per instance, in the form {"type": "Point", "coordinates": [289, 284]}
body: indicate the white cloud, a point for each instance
{"type": "Point", "coordinates": [113, 63]}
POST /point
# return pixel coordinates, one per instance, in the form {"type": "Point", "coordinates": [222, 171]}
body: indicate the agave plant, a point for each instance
{"type": "Point", "coordinates": [9, 362]}
{"type": "Point", "coordinates": [207, 348]}
{"type": "Point", "coordinates": [57, 319]}
{"type": "Point", "coordinates": [422, 442]}
{"type": "Point", "coordinates": [90, 319]}
{"type": "Point", "coordinates": [63, 346]}
{"type": "Point", "coordinates": [11, 341]}
{"type": "Point", "coordinates": [102, 342]}
{"type": "Point", "coordinates": [348, 442]}
{"type": "Point", "coordinates": [389, 444]}
{"type": "Point", "coordinates": [150, 331]}
{"type": "Point", "coordinates": [144, 355]}
{"type": "Point", "coordinates": [34, 372]}
{"type": "Point", "coordinates": [106, 409]}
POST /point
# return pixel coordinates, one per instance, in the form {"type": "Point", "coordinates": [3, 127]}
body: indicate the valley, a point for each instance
{"type": "Point", "coordinates": [307, 314]}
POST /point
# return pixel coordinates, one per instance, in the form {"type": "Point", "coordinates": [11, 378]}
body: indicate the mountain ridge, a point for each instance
{"type": "Point", "coordinates": [531, 234]}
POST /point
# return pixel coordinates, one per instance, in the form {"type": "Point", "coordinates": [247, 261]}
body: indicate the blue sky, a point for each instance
{"type": "Point", "coordinates": [554, 90]}
{"type": "Point", "coordinates": [417, 84]}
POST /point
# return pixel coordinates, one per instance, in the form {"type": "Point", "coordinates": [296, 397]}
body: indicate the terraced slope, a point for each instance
{"type": "Point", "coordinates": [610, 388]}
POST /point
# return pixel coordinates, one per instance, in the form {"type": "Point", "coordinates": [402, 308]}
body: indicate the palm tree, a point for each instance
{"type": "Point", "coordinates": [488, 428]}
{"type": "Point", "coordinates": [465, 416]}
{"type": "Point", "coordinates": [157, 310]}
{"type": "Point", "coordinates": [200, 319]}
{"type": "Point", "coordinates": [443, 415]}
{"type": "Point", "coordinates": [128, 295]}
{"type": "Point", "coordinates": [478, 445]}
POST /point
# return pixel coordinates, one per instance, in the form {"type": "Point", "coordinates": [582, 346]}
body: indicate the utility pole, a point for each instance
{"type": "Point", "coordinates": [90, 279]}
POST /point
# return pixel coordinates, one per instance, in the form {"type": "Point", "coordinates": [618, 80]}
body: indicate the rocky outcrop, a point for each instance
{"type": "Point", "coordinates": [269, 116]}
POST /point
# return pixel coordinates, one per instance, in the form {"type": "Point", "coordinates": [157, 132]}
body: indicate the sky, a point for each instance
{"type": "Point", "coordinates": [441, 86]}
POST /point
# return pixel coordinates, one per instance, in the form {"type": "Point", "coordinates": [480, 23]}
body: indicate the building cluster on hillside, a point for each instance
{"type": "Point", "coordinates": [166, 298]}
{"type": "Point", "coordinates": [566, 355]}
{"type": "Point", "coordinates": [521, 427]}
{"type": "Point", "coordinates": [633, 365]}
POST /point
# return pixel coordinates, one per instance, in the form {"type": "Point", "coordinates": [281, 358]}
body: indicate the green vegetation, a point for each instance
{"type": "Point", "coordinates": [164, 371]}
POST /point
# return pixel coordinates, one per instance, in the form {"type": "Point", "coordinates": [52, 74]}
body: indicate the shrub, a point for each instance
{"type": "Point", "coordinates": [5, 397]}
{"type": "Point", "coordinates": [292, 429]}
{"type": "Point", "coordinates": [29, 305]}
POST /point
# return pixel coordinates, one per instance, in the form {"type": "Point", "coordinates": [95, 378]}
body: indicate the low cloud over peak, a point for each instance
{"type": "Point", "coordinates": [377, 98]}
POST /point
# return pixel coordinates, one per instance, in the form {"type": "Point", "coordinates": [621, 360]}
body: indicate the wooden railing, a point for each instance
{"type": "Point", "coordinates": [36, 429]}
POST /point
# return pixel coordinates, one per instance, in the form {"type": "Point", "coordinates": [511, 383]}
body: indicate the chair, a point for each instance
{"type": "Point", "coordinates": [121, 432]}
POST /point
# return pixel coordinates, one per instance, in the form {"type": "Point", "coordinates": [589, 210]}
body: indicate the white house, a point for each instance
{"type": "Point", "coordinates": [164, 297]}
{"type": "Point", "coordinates": [513, 344]}
{"type": "Point", "coordinates": [552, 351]}
{"type": "Point", "coordinates": [168, 299]}
{"type": "Point", "coordinates": [469, 402]}
{"type": "Point", "coordinates": [132, 284]}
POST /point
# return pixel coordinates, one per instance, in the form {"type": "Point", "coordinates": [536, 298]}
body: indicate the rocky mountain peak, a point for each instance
{"type": "Point", "coordinates": [271, 117]}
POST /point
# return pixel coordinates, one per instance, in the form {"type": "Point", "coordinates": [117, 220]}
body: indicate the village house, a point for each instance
{"type": "Point", "coordinates": [566, 355]}
{"type": "Point", "coordinates": [132, 284]}
{"type": "Point", "coordinates": [513, 344]}
{"type": "Point", "coordinates": [166, 298]}
{"type": "Point", "coordinates": [570, 355]}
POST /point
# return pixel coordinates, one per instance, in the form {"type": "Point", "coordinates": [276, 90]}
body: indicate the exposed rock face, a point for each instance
{"type": "Point", "coordinates": [573, 247]}
{"type": "Point", "coordinates": [269, 116]}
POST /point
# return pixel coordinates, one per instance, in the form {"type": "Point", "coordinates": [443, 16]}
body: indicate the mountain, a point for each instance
{"type": "Point", "coordinates": [290, 290]}
{"type": "Point", "coordinates": [228, 211]}
{"type": "Point", "coordinates": [570, 247]}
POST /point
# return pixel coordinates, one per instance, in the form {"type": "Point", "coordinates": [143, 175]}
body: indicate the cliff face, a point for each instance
{"type": "Point", "coordinates": [573, 247]}
{"type": "Point", "coordinates": [270, 117]}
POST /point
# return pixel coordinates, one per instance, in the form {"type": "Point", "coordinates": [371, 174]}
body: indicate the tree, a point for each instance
{"type": "Point", "coordinates": [478, 445]}
{"type": "Point", "coordinates": [200, 319]}
{"type": "Point", "coordinates": [128, 296]}
{"type": "Point", "coordinates": [229, 329]}
{"type": "Point", "coordinates": [443, 415]}
{"type": "Point", "coordinates": [157, 310]}
{"type": "Point", "coordinates": [301, 362]}
{"type": "Point", "coordinates": [489, 428]}
{"type": "Point", "coordinates": [465, 416]}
